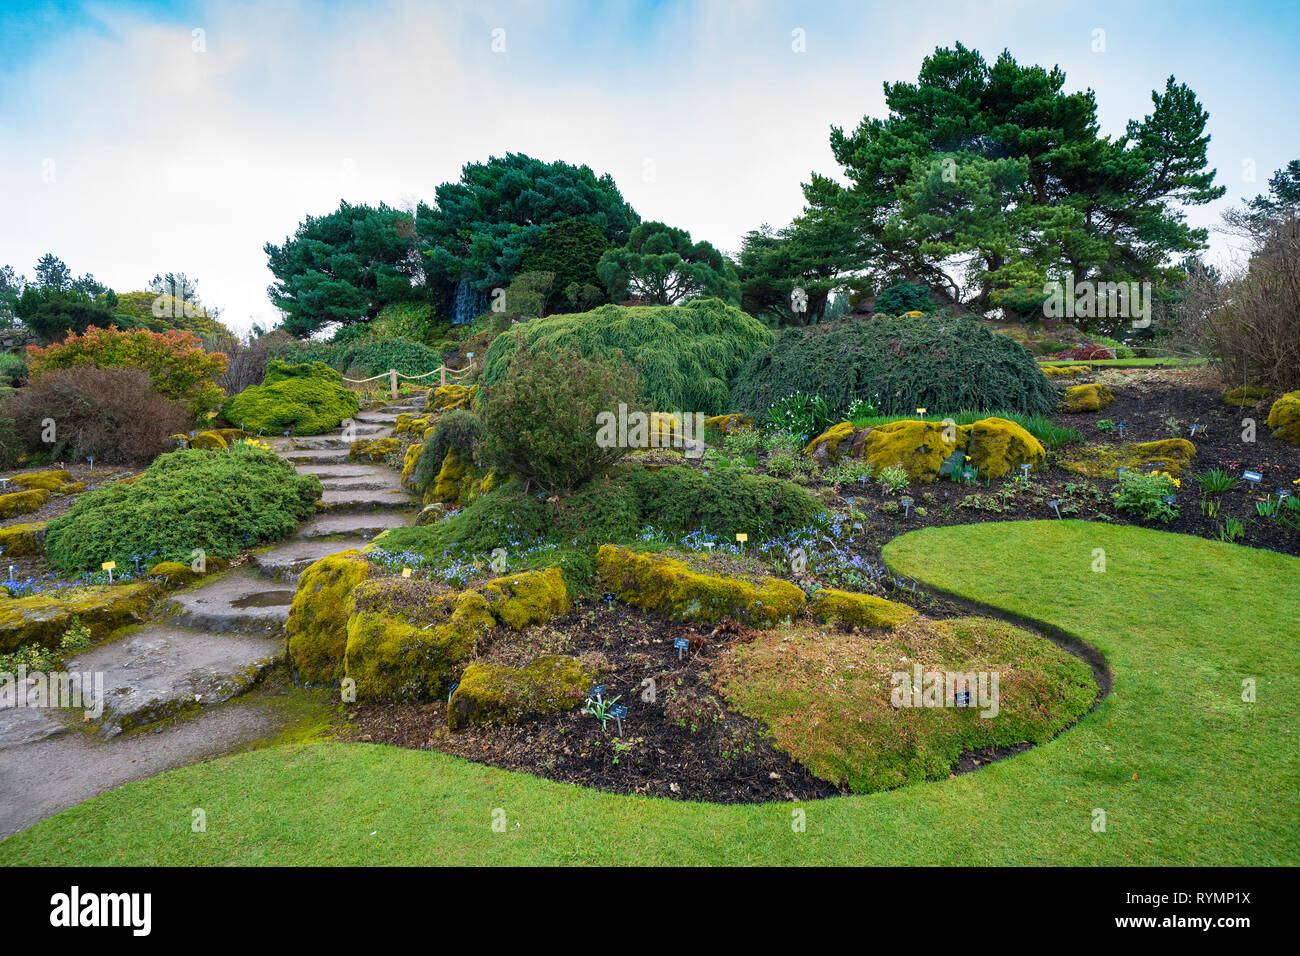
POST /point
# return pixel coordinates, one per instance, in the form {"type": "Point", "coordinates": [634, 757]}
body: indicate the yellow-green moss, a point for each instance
{"type": "Point", "coordinates": [374, 449]}
{"type": "Point", "coordinates": [23, 502]}
{"type": "Point", "coordinates": [727, 423]}
{"type": "Point", "coordinates": [920, 447]}
{"type": "Point", "coordinates": [1284, 418]}
{"type": "Point", "coordinates": [1104, 461]}
{"type": "Point", "coordinates": [179, 574]}
{"type": "Point", "coordinates": [1245, 395]}
{"type": "Point", "coordinates": [1087, 398]}
{"type": "Point", "coordinates": [391, 658]}
{"type": "Point", "coordinates": [669, 588]}
{"type": "Point", "coordinates": [998, 447]}
{"type": "Point", "coordinates": [447, 397]}
{"type": "Point", "coordinates": [318, 620]}
{"type": "Point", "coordinates": [407, 423]}
{"type": "Point", "coordinates": [22, 540]}
{"type": "Point", "coordinates": [42, 619]}
{"type": "Point", "coordinates": [826, 446]}
{"type": "Point", "coordinates": [531, 597]}
{"type": "Point", "coordinates": [230, 435]}
{"type": "Point", "coordinates": [1059, 371]}
{"type": "Point", "coordinates": [410, 460]}
{"type": "Point", "coordinates": [44, 480]}
{"type": "Point", "coordinates": [447, 486]}
{"type": "Point", "coordinates": [75, 488]}
{"type": "Point", "coordinates": [858, 610]}
{"type": "Point", "coordinates": [209, 440]}
{"type": "Point", "coordinates": [494, 693]}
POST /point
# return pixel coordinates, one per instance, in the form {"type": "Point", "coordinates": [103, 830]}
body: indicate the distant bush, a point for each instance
{"type": "Point", "coordinates": [364, 356]}
{"type": "Point", "coordinates": [11, 445]}
{"type": "Point", "coordinates": [176, 362]}
{"type": "Point", "coordinates": [940, 364]}
{"type": "Point", "coordinates": [246, 361]}
{"type": "Point", "coordinates": [541, 415]}
{"type": "Point", "coordinates": [219, 501]}
{"type": "Point", "coordinates": [111, 414]}
{"type": "Point", "coordinates": [685, 354]}
{"type": "Point", "coordinates": [13, 369]}
{"type": "Point", "coordinates": [306, 399]}
{"type": "Point", "coordinates": [1085, 353]}
{"type": "Point", "coordinates": [459, 429]}
{"type": "Point", "coordinates": [904, 297]}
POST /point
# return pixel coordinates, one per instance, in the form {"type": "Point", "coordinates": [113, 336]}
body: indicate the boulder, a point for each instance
{"type": "Point", "coordinates": [527, 598]}
{"type": "Point", "coordinates": [998, 447]}
{"type": "Point", "coordinates": [1245, 395]}
{"type": "Point", "coordinates": [409, 460]}
{"type": "Point", "coordinates": [921, 447]}
{"type": "Point", "coordinates": [374, 449]}
{"type": "Point", "coordinates": [43, 619]}
{"type": "Point", "coordinates": [447, 397]}
{"type": "Point", "coordinates": [318, 619]}
{"type": "Point", "coordinates": [858, 610]}
{"type": "Point", "coordinates": [409, 424]}
{"type": "Point", "coordinates": [23, 502]}
{"type": "Point", "coordinates": [23, 540]}
{"type": "Point", "coordinates": [1104, 461]}
{"type": "Point", "coordinates": [1087, 398]}
{"type": "Point", "coordinates": [669, 588]}
{"type": "Point", "coordinates": [831, 445]}
{"type": "Point", "coordinates": [45, 480]}
{"type": "Point", "coordinates": [494, 693]}
{"type": "Point", "coordinates": [727, 423]}
{"type": "Point", "coordinates": [1284, 418]}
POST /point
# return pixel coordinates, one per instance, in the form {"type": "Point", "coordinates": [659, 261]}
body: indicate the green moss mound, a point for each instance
{"type": "Point", "coordinates": [305, 399]}
{"type": "Point", "coordinates": [217, 501]}
{"type": "Point", "coordinates": [1087, 398]}
{"type": "Point", "coordinates": [1104, 461]}
{"type": "Point", "coordinates": [846, 708]}
{"type": "Point", "coordinates": [686, 354]}
{"type": "Point", "coordinates": [43, 619]}
{"type": "Point", "coordinates": [23, 502]}
{"type": "Point", "coordinates": [1284, 418]}
{"type": "Point", "coordinates": [495, 693]}
{"type": "Point", "coordinates": [899, 365]}
{"type": "Point", "coordinates": [852, 609]}
{"type": "Point", "coordinates": [318, 619]}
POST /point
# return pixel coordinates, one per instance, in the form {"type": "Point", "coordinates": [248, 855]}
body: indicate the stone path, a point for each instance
{"type": "Point", "coordinates": [203, 647]}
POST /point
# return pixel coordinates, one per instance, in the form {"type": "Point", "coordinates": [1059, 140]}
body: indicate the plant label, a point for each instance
{"type": "Point", "coordinates": [618, 711]}
{"type": "Point", "coordinates": [451, 690]}
{"type": "Point", "coordinates": [742, 537]}
{"type": "Point", "coordinates": [681, 644]}
{"type": "Point", "coordinates": [1169, 499]}
{"type": "Point", "coordinates": [961, 698]}
{"type": "Point", "coordinates": [597, 692]}
{"type": "Point", "coordinates": [1253, 477]}
{"type": "Point", "coordinates": [406, 572]}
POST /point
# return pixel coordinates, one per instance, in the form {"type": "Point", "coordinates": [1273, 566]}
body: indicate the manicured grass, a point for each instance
{"type": "Point", "coordinates": [1126, 363]}
{"type": "Point", "coordinates": [1186, 772]}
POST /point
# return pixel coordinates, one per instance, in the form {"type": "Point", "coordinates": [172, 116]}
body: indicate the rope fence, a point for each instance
{"type": "Point", "coordinates": [393, 375]}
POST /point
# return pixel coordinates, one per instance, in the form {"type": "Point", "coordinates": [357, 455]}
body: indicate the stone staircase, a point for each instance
{"type": "Point", "coordinates": [205, 645]}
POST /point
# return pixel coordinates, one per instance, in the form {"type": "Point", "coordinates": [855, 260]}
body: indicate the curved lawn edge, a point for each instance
{"type": "Point", "coordinates": [1184, 770]}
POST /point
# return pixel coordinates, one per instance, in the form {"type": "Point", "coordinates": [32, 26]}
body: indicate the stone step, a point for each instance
{"type": "Point", "coordinates": [288, 561]}
{"type": "Point", "coordinates": [239, 602]}
{"type": "Point", "coordinates": [162, 669]}
{"type": "Point", "coordinates": [316, 457]}
{"type": "Point", "coordinates": [368, 483]}
{"type": "Point", "coordinates": [26, 724]}
{"type": "Point", "coordinates": [351, 501]}
{"type": "Point", "coordinates": [364, 525]}
{"type": "Point", "coordinates": [323, 442]}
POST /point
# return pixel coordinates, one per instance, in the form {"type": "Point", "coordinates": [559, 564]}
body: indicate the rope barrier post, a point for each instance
{"type": "Point", "coordinates": [443, 370]}
{"type": "Point", "coordinates": [392, 378]}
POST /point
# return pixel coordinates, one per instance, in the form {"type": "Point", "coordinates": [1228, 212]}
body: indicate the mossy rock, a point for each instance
{"type": "Point", "coordinates": [409, 424]}
{"type": "Point", "coordinates": [531, 597]}
{"type": "Point", "coordinates": [391, 658]}
{"type": "Point", "coordinates": [43, 619]}
{"type": "Point", "coordinates": [858, 610]}
{"type": "Point", "coordinates": [318, 620]}
{"type": "Point", "coordinates": [1087, 398]}
{"type": "Point", "coordinates": [410, 459]}
{"type": "Point", "coordinates": [1104, 461]}
{"type": "Point", "coordinates": [494, 693]}
{"type": "Point", "coordinates": [1245, 395]}
{"type": "Point", "coordinates": [75, 488]}
{"type": "Point", "coordinates": [669, 588]}
{"type": "Point", "coordinates": [1062, 371]}
{"type": "Point", "coordinates": [727, 423]}
{"type": "Point", "coordinates": [447, 486]}
{"type": "Point", "coordinates": [998, 447]}
{"type": "Point", "coordinates": [231, 435]}
{"type": "Point", "coordinates": [921, 447]}
{"type": "Point", "coordinates": [829, 446]}
{"type": "Point", "coordinates": [178, 573]}
{"type": "Point", "coordinates": [44, 480]}
{"type": "Point", "coordinates": [23, 502]}
{"type": "Point", "coordinates": [23, 540]}
{"type": "Point", "coordinates": [209, 441]}
{"type": "Point", "coordinates": [374, 449]}
{"type": "Point", "coordinates": [446, 397]}
{"type": "Point", "coordinates": [1284, 418]}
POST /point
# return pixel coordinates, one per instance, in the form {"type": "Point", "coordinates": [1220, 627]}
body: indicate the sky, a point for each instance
{"type": "Point", "coordinates": [142, 138]}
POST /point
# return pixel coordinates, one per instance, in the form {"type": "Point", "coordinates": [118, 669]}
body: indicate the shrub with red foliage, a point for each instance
{"type": "Point", "coordinates": [1085, 353]}
{"type": "Point", "coordinates": [176, 362]}
{"type": "Point", "coordinates": [112, 414]}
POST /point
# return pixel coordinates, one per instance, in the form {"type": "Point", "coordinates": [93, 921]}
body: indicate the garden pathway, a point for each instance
{"type": "Point", "coordinates": [203, 647]}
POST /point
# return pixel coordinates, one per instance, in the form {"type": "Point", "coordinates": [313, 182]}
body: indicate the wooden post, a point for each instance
{"type": "Point", "coordinates": [392, 378]}
{"type": "Point", "coordinates": [443, 370]}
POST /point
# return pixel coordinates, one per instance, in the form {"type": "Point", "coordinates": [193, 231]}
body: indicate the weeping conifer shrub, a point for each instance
{"type": "Point", "coordinates": [685, 354]}
{"type": "Point", "coordinates": [943, 365]}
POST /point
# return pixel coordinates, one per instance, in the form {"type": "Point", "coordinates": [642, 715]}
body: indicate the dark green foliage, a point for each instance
{"type": "Point", "coordinates": [53, 313]}
{"type": "Point", "coordinates": [898, 365]}
{"type": "Point", "coordinates": [685, 354]}
{"type": "Point", "coordinates": [904, 297]}
{"type": "Point", "coordinates": [460, 429]}
{"type": "Point", "coordinates": [11, 446]}
{"type": "Point", "coordinates": [13, 369]}
{"type": "Point", "coordinates": [809, 255]}
{"type": "Point", "coordinates": [306, 399]}
{"type": "Point", "coordinates": [219, 501]}
{"type": "Point", "coordinates": [343, 267]}
{"type": "Point", "coordinates": [362, 357]}
{"type": "Point", "coordinates": [541, 415]}
{"type": "Point", "coordinates": [680, 499]}
{"type": "Point", "coordinates": [661, 265]}
{"type": "Point", "coordinates": [481, 226]}
{"type": "Point", "coordinates": [569, 250]}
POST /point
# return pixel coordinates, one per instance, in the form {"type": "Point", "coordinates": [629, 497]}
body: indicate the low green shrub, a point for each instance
{"type": "Point", "coordinates": [460, 429]}
{"type": "Point", "coordinates": [904, 297]}
{"type": "Point", "coordinates": [898, 365]}
{"type": "Point", "coordinates": [362, 356]}
{"type": "Point", "coordinates": [1145, 494]}
{"type": "Point", "coordinates": [306, 399]}
{"type": "Point", "coordinates": [217, 501]}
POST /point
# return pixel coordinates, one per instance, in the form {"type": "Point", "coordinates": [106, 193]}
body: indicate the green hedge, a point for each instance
{"type": "Point", "coordinates": [366, 356]}
{"type": "Point", "coordinates": [686, 354]}
{"type": "Point", "coordinates": [307, 399]}
{"type": "Point", "coordinates": [219, 501]}
{"type": "Point", "coordinates": [899, 365]}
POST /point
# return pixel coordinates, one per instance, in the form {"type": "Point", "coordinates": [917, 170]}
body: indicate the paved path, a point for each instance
{"type": "Point", "coordinates": [203, 647]}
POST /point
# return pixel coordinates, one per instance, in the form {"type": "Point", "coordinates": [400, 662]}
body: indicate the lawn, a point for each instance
{"type": "Point", "coordinates": [1185, 770]}
{"type": "Point", "coordinates": [1171, 362]}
